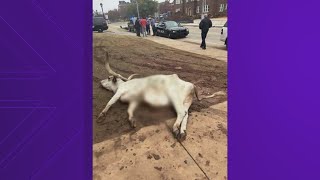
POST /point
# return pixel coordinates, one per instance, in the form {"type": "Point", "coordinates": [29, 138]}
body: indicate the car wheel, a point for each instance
{"type": "Point", "coordinates": [100, 30]}
{"type": "Point", "coordinates": [170, 36]}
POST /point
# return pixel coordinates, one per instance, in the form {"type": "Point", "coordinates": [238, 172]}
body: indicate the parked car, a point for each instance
{"type": "Point", "coordinates": [131, 27]}
{"type": "Point", "coordinates": [224, 34]}
{"type": "Point", "coordinates": [171, 29]}
{"type": "Point", "coordinates": [99, 24]}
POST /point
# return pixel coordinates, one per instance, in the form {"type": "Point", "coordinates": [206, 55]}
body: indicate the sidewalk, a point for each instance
{"type": "Point", "coordinates": [213, 51]}
{"type": "Point", "coordinates": [153, 153]}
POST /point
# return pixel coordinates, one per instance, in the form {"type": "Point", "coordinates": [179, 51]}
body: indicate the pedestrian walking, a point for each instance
{"type": "Point", "coordinates": [205, 25]}
{"type": "Point", "coordinates": [137, 26]}
{"type": "Point", "coordinates": [153, 25]}
{"type": "Point", "coordinates": [143, 23]}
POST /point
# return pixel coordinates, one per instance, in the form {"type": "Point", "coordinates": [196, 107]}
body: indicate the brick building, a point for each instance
{"type": "Point", "coordinates": [195, 8]}
{"type": "Point", "coordinates": [165, 7]}
{"type": "Point", "coordinates": [123, 8]}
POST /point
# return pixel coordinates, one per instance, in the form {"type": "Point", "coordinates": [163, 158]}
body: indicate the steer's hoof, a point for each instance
{"type": "Point", "coordinates": [182, 136]}
{"type": "Point", "coordinates": [100, 118]}
{"type": "Point", "coordinates": [133, 123]}
{"type": "Point", "coordinates": [176, 133]}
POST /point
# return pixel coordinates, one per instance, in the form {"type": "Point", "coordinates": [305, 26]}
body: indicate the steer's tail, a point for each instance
{"type": "Point", "coordinates": [219, 93]}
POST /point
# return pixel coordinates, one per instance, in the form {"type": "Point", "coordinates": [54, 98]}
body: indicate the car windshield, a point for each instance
{"type": "Point", "coordinates": [98, 20]}
{"type": "Point", "coordinates": [171, 24]}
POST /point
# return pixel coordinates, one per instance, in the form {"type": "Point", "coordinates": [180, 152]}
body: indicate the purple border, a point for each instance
{"type": "Point", "coordinates": [46, 89]}
{"type": "Point", "coordinates": [274, 125]}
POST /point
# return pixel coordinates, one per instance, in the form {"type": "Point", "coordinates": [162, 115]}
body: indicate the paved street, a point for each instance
{"type": "Point", "coordinates": [213, 37]}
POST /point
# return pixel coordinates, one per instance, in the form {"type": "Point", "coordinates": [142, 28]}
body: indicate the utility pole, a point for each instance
{"type": "Point", "coordinates": [102, 10]}
{"type": "Point", "coordinates": [138, 8]}
{"type": "Point", "coordinates": [202, 9]}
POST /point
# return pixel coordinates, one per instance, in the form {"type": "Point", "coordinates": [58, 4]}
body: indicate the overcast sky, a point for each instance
{"type": "Point", "coordinates": [108, 4]}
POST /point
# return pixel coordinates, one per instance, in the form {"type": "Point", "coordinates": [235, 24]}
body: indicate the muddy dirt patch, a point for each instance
{"type": "Point", "coordinates": [130, 55]}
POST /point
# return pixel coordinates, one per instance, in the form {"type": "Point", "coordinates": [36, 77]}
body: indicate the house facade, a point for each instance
{"type": "Point", "coordinates": [196, 8]}
{"type": "Point", "coordinates": [123, 8]}
{"type": "Point", "coordinates": [165, 7]}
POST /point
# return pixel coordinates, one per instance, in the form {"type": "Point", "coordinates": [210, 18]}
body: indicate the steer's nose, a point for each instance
{"type": "Point", "coordinates": [101, 83]}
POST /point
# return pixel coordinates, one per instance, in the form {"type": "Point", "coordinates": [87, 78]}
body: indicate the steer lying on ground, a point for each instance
{"type": "Point", "coordinates": [156, 90]}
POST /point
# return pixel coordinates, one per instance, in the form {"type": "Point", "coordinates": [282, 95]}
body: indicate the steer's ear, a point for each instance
{"type": "Point", "coordinates": [114, 79]}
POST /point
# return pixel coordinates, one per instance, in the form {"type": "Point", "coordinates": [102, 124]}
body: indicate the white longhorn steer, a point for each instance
{"type": "Point", "coordinates": [156, 90]}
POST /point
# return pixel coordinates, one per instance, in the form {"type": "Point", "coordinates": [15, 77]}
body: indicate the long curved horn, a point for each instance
{"type": "Point", "coordinates": [111, 71]}
{"type": "Point", "coordinates": [219, 93]}
{"type": "Point", "coordinates": [131, 76]}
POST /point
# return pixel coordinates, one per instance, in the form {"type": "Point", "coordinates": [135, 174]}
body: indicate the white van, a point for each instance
{"type": "Point", "coordinates": [224, 34]}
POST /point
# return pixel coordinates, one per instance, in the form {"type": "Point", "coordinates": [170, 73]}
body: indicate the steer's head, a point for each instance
{"type": "Point", "coordinates": [113, 81]}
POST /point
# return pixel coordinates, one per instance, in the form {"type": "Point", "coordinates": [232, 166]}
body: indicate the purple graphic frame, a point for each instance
{"type": "Point", "coordinates": [46, 90]}
{"type": "Point", "coordinates": [273, 90]}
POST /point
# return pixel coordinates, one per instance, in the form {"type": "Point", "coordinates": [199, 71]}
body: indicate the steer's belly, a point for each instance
{"type": "Point", "coordinates": [156, 98]}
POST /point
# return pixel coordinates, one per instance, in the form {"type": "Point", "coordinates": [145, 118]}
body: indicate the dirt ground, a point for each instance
{"type": "Point", "coordinates": [150, 151]}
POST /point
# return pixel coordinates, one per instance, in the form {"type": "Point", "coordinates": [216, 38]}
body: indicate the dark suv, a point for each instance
{"type": "Point", "coordinates": [99, 24]}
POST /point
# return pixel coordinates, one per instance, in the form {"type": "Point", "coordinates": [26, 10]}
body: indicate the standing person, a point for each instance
{"type": "Point", "coordinates": [148, 26]}
{"type": "Point", "coordinates": [137, 26]}
{"type": "Point", "coordinates": [140, 26]}
{"type": "Point", "coordinates": [153, 25]}
{"type": "Point", "coordinates": [143, 23]}
{"type": "Point", "coordinates": [204, 25]}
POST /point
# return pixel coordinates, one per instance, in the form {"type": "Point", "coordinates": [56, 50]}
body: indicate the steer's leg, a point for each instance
{"type": "Point", "coordinates": [183, 129]}
{"type": "Point", "coordinates": [132, 106]}
{"type": "Point", "coordinates": [181, 113]}
{"type": "Point", "coordinates": [113, 100]}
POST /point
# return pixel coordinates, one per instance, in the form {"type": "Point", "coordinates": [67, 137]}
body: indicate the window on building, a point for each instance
{"type": "Point", "coordinates": [221, 7]}
{"type": "Point", "coordinates": [205, 6]}
{"type": "Point", "coordinates": [177, 10]}
{"type": "Point", "coordinates": [178, 1]}
{"type": "Point", "coordinates": [198, 9]}
{"type": "Point", "coordinates": [226, 6]}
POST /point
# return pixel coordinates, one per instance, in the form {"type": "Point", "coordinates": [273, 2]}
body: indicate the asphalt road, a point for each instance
{"type": "Point", "coordinates": [213, 37]}
{"type": "Point", "coordinates": [212, 40]}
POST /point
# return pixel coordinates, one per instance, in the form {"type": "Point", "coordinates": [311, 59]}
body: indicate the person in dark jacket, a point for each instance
{"type": "Point", "coordinates": [153, 25]}
{"type": "Point", "coordinates": [148, 25]}
{"type": "Point", "coordinates": [137, 26]}
{"type": "Point", "coordinates": [205, 25]}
